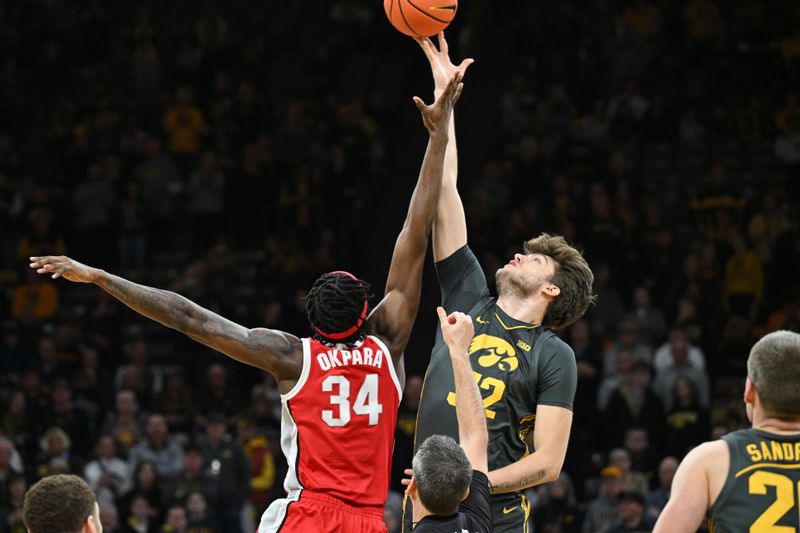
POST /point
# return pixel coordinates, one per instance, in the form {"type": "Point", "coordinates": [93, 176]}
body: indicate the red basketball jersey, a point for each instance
{"type": "Point", "coordinates": [337, 428]}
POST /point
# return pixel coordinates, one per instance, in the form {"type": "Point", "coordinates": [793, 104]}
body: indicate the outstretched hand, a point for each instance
{"type": "Point", "coordinates": [62, 266]}
{"type": "Point", "coordinates": [457, 330]}
{"type": "Point", "coordinates": [436, 116]}
{"type": "Point", "coordinates": [441, 65]}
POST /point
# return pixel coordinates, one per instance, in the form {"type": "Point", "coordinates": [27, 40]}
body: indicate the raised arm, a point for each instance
{"type": "Point", "coordinates": [450, 226]}
{"type": "Point", "coordinates": [473, 436]}
{"type": "Point", "coordinates": [394, 315]}
{"type": "Point", "coordinates": [274, 351]}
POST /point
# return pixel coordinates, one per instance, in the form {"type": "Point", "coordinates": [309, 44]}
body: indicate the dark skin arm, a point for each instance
{"type": "Point", "coordinates": [276, 352]}
{"type": "Point", "coordinates": [394, 316]}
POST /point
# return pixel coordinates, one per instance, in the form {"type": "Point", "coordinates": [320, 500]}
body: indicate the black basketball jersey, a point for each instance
{"type": "Point", "coordinates": [761, 491]}
{"type": "Point", "coordinates": [517, 366]}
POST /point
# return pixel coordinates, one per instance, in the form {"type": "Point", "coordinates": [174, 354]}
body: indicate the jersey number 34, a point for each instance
{"type": "Point", "coordinates": [366, 403]}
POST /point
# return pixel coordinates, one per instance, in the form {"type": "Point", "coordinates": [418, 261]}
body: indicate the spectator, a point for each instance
{"type": "Point", "coordinates": [687, 421]}
{"type": "Point", "coordinates": [158, 448]}
{"type": "Point", "coordinates": [55, 446]}
{"type": "Point", "coordinates": [193, 477]}
{"type": "Point", "coordinates": [107, 474]}
{"type": "Point", "coordinates": [146, 486]}
{"type": "Point", "coordinates": [626, 340]}
{"type": "Point", "coordinates": [650, 323]}
{"type": "Point", "coordinates": [658, 498]}
{"type": "Point", "coordinates": [264, 482]}
{"type": "Point", "coordinates": [10, 464]}
{"type": "Point", "coordinates": [644, 458]}
{"type": "Point", "coordinates": [228, 464]}
{"type": "Point", "coordinates": [219, 394]}
{"type": "Point", "coordinates": [556, 509]}
{"type": "Point", "coordinates": [68, 416]}
{"type": "Point", "coordinates": [176, 402]}
{"type": "Point", "coordinates": [603, 512]}
{"type": "Point", "coordinates": [141, 518]}
{"type": "Point", "coordinates": [633, 403]}
{"type": "Point", "coordinates": [632, 517]}
{"type": "Point", "coordinates": [199, 517]}
{"type": "Point", "coordinates": [36, 298]}
{"type": "Point", "coordinates": [123, 423]}
{"type": "Point", "coordinates": [149, 376]}
{"type": "Point", "coordinates": [631, 481]}
{"type": "Point", "coordinates": [744, 281]}
{"type": "Point", "coordinates": [393, 512]}
{"type": "Point", "coordinates": [664, 357]}
{"type": "Point", "coordinates": [176, 521]}
{"type": "Point", "coordinates": [109, 518]}
{"type": "Point", "coordinates": [680, 367]}
{"type": "Point", "coordinates": [184, 124]}
{"type": "Point", "coordinates": [11, 509]}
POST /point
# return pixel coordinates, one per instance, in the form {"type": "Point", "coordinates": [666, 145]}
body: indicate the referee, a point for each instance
{"type": "Point", "coordinates": [449, 487]}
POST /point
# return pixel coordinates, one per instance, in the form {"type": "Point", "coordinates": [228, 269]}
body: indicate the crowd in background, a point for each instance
{"type": "Point", "coordinates": [233, 153]}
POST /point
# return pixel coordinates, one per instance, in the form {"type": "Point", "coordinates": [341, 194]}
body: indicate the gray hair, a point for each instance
{"type": "Point", "coordinates": [442, 473]}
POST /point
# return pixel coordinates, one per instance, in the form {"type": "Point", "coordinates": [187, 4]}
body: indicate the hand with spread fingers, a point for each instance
{"type": "Point", "coordinates": [437, 115]}
{"type": "Point", "coordinates": [61, 266]}
{"type": "Point", "coordinates": [441, 65]}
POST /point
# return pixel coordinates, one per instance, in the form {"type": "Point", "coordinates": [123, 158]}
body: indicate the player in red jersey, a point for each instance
{"type": "Point", "coordinates": [340, 389]}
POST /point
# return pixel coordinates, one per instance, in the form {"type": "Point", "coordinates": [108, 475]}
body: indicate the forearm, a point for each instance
{"type": "Point", "coordinates": [450, 224]}
{"type": "Point", "coordinates": [426, 194]}
{"type": "Point", "coordinates": [469, 404]}
{"type": "Point", "coordinates": [165, 307]}
{"type": "Point", "coordinates": [529, 471]}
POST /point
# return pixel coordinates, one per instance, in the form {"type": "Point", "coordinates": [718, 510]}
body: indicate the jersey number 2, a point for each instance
{"type": "Point", "coordinates": [366, 400]}
{"type": "Point", "coordinates": [487, 383]}
{"type": "Point", "coordinates": [784, 501]}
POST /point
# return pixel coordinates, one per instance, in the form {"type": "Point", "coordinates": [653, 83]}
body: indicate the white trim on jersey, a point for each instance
{"type": "Point", "coordinates": [303, 373]}
{"type": "Point", "coordinates": [290, 447]}
{"type": "Point", "coordinates": [392, 371]}
{"type": "Point", "coordinates": [275, 515]}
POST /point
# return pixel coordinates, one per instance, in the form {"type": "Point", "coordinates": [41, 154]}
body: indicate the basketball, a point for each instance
{"type": "Point", "coordinates": [420, 18]}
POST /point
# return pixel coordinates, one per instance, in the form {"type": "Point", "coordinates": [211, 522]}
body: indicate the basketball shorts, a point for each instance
{"type": "Point", "coordinates": [309, 511]}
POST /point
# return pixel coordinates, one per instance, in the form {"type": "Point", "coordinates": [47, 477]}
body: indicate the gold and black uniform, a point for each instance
{"type": "Point", "coordinates": [761, 492]}
{"type": "Point", "coordinates": [517, 366]}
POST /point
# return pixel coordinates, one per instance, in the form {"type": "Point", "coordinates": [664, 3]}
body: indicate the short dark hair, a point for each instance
{"type": "Point", "coordinates": [572, 275]}
{"type": "Point", "coordinates": [442, 473]}
{"type": "Point", "coordinates": [335, 304]}
{"type": "Point", "coordinates": [58, 504]}
{"type": "Point", "coordinates": [774, 368]}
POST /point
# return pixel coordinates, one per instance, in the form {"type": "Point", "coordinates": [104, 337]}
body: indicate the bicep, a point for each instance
{"type": "Point", "coordinates": [688, 500]}
{"type": "Point", "coordinates": [270, 350]}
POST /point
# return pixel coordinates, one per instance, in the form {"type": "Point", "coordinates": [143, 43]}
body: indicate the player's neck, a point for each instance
{"type": "Point", "coordinates": [528, 310]}
{"type": "Point", "coordinates": [771, 424]}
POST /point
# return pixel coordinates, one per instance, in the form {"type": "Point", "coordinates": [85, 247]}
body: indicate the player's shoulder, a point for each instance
{"type": "Point", "coordinates": [551, 345]}
{"type": "Point", "coordinates": [709, 456]}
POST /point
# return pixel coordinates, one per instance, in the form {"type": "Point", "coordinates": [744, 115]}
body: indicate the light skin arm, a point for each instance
{"type": "Point", "coordinates": [450, 225]}
{"type": "Point", "coordinates": [457, 330]}
{"type": "Point", "coordinates": [692, 494]}
{"type": "Point", "coordinates": [394, 316]}
{"type": "Point", "coordinates": [273, 351]}
{"type": "Point", "coordinates": [550, 438]}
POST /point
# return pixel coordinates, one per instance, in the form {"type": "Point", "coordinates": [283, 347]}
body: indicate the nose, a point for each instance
{"type": "Point", "coordinates": [519, 257]}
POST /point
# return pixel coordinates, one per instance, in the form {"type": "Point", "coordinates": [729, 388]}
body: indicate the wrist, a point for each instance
{"type": "Point", "coordinates": [97, 275]}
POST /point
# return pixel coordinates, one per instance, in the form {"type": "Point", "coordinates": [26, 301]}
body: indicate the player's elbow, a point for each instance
{"type": "Point", "coordinates": [551, 473]}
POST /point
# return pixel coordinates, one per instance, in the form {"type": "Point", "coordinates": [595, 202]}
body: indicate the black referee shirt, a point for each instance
{"type": "Point", "coordinates": [474, 514]}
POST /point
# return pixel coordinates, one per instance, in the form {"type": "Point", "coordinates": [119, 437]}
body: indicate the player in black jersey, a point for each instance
{"type": "Point", "coordinates": [750, 479]}
{"type": "Point", "coordinates": [526, 374]}
{"type": "Point", "coordinates": [449, 486]}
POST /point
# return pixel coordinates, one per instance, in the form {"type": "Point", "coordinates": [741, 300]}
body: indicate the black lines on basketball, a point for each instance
{"type": "Point", "coordinates": [402, 14]}
{"type": "Point", "coordinates": [415, 6]}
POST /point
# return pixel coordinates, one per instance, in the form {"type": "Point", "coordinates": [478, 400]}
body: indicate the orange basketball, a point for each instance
{"type": "Point", "coordinates": [420, 18]}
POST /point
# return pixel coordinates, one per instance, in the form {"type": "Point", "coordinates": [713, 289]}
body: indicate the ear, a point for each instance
{"type": "Point", "coordinates": [750, 392]}
{"type": "Point", "coordinates": [466, 494]}
{"type": "Point", "coordinates": [550, 291]}
{"type": "Point", "coordinates": [411, 488]}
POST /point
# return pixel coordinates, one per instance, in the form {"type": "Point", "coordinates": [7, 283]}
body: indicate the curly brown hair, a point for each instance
{"type": "Point", "coordinates": [58, 504]}
{"type": "Point", "coordinates": [572, 276]}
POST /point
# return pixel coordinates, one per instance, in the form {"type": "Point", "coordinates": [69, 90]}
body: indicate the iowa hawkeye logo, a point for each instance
{"type": "Point", "coordinates": [494, 351]}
